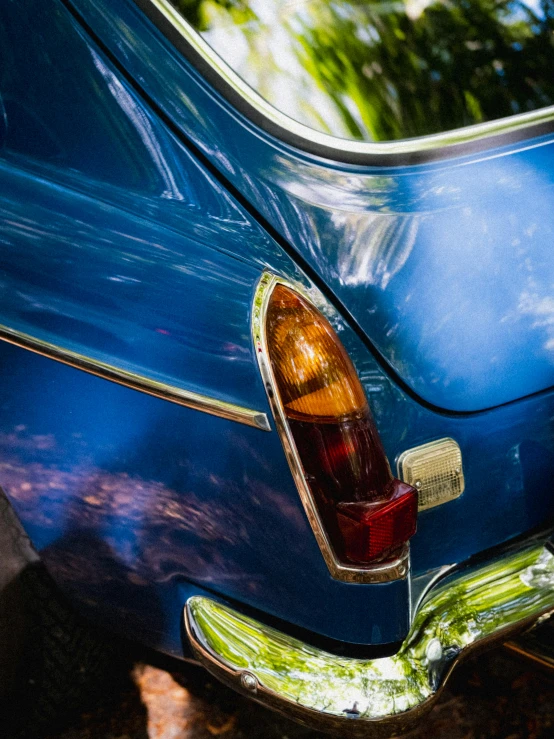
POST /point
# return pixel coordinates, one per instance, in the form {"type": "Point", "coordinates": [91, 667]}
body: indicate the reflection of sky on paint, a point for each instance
{"type": "Point", "coordinates": [375, 247]}
{"type": "Point", "coordinates": [541, 309]}
{"type": "Point", "coordinates": [481, 291]}
{"type": "Point", "coordinates": [142, 125]}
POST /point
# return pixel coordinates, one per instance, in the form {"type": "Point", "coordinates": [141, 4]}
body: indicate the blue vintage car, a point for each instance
{"type": "Point", "coordinates": [277, 341]}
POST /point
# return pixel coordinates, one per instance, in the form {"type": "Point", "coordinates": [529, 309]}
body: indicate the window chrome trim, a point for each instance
{"type": "Point", "coordinates": [134, 381]}
{"type": "Point", "coordinates": [456, 142]}
{"type": "Point", "coordinates": [394, 570]}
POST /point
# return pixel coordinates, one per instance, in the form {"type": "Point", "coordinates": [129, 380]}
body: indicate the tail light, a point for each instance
{"type": "Point", "coordinates": [363, 514]}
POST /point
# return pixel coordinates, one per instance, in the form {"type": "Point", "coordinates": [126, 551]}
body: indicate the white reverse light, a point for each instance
{"type": "Point", "coordinates": [435, 470]}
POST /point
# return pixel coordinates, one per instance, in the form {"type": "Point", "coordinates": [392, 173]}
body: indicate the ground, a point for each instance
{"type": "Point", "coordinates": [497, 696]}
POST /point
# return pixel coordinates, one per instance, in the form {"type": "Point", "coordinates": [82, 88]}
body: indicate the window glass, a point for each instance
{"type": "Point", "coordinates": [388, 69]}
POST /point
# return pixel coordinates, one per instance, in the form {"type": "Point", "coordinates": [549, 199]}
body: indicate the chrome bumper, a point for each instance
{"type": "Point", "coordinates": [377, 697]}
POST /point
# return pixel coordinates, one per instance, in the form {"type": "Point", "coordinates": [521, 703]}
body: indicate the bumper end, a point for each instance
{"type": "Point", "coordinates": [376, 697]}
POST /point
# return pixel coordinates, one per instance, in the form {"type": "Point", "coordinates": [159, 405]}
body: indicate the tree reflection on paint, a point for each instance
{"type": "Point", "coordinates": [386, 70]}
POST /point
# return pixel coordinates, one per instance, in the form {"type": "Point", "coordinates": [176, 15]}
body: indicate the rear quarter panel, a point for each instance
{"type": "Point", "coordinates": [118, 245]}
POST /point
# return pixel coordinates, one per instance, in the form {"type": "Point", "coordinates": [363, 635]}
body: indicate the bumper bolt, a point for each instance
{"type": "Point", "coordinates": [434, 650]}
{"type": "Point", "coordinates": [249, 682]}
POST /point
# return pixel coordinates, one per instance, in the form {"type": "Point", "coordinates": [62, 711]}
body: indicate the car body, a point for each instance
{"type": "Point", "coordinates": [142, 205]}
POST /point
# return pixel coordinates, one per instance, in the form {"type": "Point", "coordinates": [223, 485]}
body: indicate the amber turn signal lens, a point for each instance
{"type": "Point", "coordinates": [313, 371]}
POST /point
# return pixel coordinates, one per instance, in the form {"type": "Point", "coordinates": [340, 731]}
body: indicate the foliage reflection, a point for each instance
{"type": "Point", "coordinates": [386, 69]}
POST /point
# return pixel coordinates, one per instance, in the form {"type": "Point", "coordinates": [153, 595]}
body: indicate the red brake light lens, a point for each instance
{"type": "Point", "coordinates": [373, 532]}
{"type": "Point", "coordinates": [367, 514]}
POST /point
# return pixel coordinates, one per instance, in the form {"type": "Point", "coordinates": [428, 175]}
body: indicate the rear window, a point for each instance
{"type": "Point", "coordinates": [382, 71]}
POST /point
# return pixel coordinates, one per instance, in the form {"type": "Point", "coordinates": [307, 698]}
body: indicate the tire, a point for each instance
{"type": "Point", "coordinates": [52, 663]}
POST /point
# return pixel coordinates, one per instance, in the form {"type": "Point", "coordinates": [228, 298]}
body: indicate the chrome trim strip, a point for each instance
{"type": "Point", "coordinates": [385, 696]}
{"type": "Point", "coordinates": [134, 381]}
{"type": "Point", "coordinates": [393, 570]}
{"type": "Point", "coordinates": [307, 137]}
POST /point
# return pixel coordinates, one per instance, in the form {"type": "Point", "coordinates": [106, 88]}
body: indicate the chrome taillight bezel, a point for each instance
{"type": "Point", "coordinates": [395, 569]}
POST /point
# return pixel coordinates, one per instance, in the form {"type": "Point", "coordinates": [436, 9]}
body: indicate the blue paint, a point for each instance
{"type": "Point", "coordinates": [91, 278]}
{"type": "Point", "coordinates": [117, 243]}
{"type": "Point", "coordinates": [129, 498]}
{"type": "Point", "coordinates": [447, 266]}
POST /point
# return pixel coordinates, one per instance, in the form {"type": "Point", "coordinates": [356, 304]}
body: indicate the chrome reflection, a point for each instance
{"type": "Point", "coordinates": [470, 610]}
{"type": "Point", "coordinates": [135, 381]}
